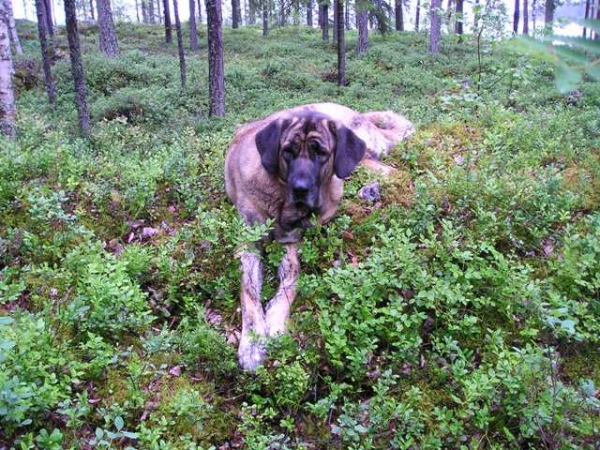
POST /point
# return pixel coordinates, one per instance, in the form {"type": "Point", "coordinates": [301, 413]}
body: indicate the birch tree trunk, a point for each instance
{"type": "Point", "coordinates": [168, 30]}
{"type": "Point", "coordinates": [7, 93]}
{"type": "Point", "coordinates": [216, 66]}
{"type": "Point", "coordinates": [108, 36]}
{"type": "Point", "coordinates": [182, 70]}
{"type": "Point", "coordinates": [12, 29]}
{"type": "Point", "coordinates": [42, 24]}
{"type": "Point", "coordinates": [435, 27]}
{"type": "Point", "coordinates": [193, 29]}
{"type": "Point", "coordinates": [77, 67]}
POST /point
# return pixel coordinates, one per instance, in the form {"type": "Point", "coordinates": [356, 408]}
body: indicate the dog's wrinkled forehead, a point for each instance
{"type": "Point", "coordinates": [307, 125]}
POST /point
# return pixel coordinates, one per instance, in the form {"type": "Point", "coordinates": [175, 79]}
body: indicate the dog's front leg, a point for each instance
{"type": "Point", "coordinates": [278, 309]}
{"type": "Point", "coordinates": [251, 351]}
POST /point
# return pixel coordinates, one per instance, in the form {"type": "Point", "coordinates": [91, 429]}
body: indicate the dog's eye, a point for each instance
{"type": "Point", "coordinates": [319, 151]}
{"type": "Point", "coordinates": [288, 151]}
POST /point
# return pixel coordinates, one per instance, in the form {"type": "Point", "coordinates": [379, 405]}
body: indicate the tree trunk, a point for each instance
{"type": "Point", "coordinates": [144, 11]}
{"type": "Point", "coordinates": [549, 14]}
{"type": "Point", "coordinates": [281, 13]}
{"type": "Point", "coordinates": [476, 15]}
{"type": "Point", "coordinates": [347, 16]}
{"type": "Point", "coordinates": [236, 13]}
{"type": "Point", "coordinates": [525, 17]}
{"type": "Point", "coordinates": [159, 14]}
{"type": "Point", "coordinates": [151, 15]}
{"type": "Point", "coordinates": [533, 13]}
{"type": "Point", "coordinates": [597, 35]}
{"type": "Point", "coordinates": [12, 29]}
{"type": "Point", "coordinates": [108, 36]}
{"type": "Point", "coordinates": [49, 21]}
{"type": "Point", "coordinates": [182, 70]}
{"type": "Point", "coordinates": [335, 21]}
{"type": "Point", "coordinates": [77, 67]}
{"type": "Point", "coordinates": [137, 10]}
{"type": "Point", "coordinates": [216, 67]}
{"type": "Point", "coordinates": [362, 23]}
{"type": "Point", "coordinates": [325, 22]}
{"type": "Point", "coordinates": [252, 8]}
{"type": "Point", "coordinates": [40, 6]}
{"type": "Point", "coordinates": [341, 46]}
{"type": "Point", "coordinates": [458, 25]}
{"type": "Point", "coordinates": [92, 10]}
{"type": "Point", "coordinates": [418, 15]}
{"type": "Point", "coordinates": [193, 28]}
{"type": "Point", "coordinates": [265, 17]}
{"type": "Point", "coordinates": [399, 15]}
{"type": "Point", "coordinates": [200, 12]}
{"type": "Point", "coordinates": [7, 93]}
{"type": "Point", "coordinates": [435, 27]}
{"type": "Point", "coordinates": [309, 13]}
{"type": "Point", "coordinates": [516, 17]}
{"type": "Point", "coordinates": [168, 28]}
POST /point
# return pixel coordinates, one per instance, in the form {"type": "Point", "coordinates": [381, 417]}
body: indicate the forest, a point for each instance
{"type": "Point", "coordinates": [458, 308]}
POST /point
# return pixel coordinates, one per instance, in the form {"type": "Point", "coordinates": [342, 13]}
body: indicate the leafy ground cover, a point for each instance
{"type": "Point", "coordinates": [460, 311]}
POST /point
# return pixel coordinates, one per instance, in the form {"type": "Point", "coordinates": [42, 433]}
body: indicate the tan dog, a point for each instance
{"type": "Point", "coordinates": [290, 168]}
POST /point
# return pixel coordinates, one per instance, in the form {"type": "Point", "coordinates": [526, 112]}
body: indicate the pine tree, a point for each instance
{"type": "Point", "coordinates": [435, 27]}
{"type": "Point", "coordinates": [77, 67]}
{"type": "Point", "coordinates": [193, 29]}
{"type": "Point", "coordinates": [182, 70]}
{"type": "Point", "coordinates": [42, 23]}
{"type": "Point", "coordinates": [12, 29]}
{"type": "Point", "coordinates": [216, 66]}
{"type": "Point", "coordinates": [168, 30]}
{"type": "Point", "coordinates": [108, 36]}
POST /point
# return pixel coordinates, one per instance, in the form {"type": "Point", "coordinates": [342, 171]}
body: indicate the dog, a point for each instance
{"type": "Point", "coordinates": [290, 167]}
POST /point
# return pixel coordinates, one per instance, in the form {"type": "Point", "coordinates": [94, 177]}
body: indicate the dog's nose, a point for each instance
{"type": "Point", "coordinates": [300, 187]}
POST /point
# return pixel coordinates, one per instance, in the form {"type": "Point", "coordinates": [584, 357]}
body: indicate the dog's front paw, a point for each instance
{"type": "Point", "coordinates": [251, 354]}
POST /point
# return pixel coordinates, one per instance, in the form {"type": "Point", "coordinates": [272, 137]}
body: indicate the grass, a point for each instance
{"type": "Point", "coordinates": [461, 311]}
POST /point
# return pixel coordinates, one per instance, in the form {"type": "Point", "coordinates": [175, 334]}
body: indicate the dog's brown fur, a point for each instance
{"type": "Point", "coordinates": [256, 182]}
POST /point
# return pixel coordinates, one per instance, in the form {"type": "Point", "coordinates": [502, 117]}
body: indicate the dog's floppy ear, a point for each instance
{"type": "Point", "coordinates": [349, 150]}
{"type": "Point", "coordinates": [268, 141]}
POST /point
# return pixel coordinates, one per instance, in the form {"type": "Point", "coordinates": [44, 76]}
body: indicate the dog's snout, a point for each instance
{"type": "Point", "coordinates": [301, 187]}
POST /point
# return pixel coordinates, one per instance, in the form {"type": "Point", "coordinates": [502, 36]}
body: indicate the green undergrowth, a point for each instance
{"type": "Point", "coordinates": [461, 310]}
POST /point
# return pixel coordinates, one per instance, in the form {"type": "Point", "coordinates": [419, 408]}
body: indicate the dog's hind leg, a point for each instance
{"type": "Point", "coordinates": [251, 351]}
{"type": "Point", "coordinates": [278, 309]}
{"type": "Point", "coordinates": [377, 166]}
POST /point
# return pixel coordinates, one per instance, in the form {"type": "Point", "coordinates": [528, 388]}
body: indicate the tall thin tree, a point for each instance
{"type": "Point", "coordinates": [7, 93]}
{"type": "Point", "coordinates": [92, 9]}
{"type": "Point", "coordinates": [549, 8]}
{"type": "Point", "coordinates": [42, 23]}
{"type": "Point", "coordinates": [309, 12]}
{"type": "Point", "coordinates": [335, 20]}
{"type": "Point", "coordinates": [193, 29]}
{"type": "Point", "coordinates": [435, 31]}
{"type": "Point", "coordinates": [200, 12]}
{"type": "Point", "coordinates": [77, 67]}
{"type": "Point", "coordinates": [362, 24]}
{"type": "Point", "coordinates": [324, 8]}
{"type": "Point", "coordinates": [399, 15]}
{"type": "Point", "coordinates": [48, 16]}
{"type": "Point", "coordinates": [516, 17]}
{"type": "Point", "coordinates": [108, 36]}
{"type": "Point", "coordinates": [182, 70]}
{"type": "Point", "coordinates": [236, 14]}
{"type": "Point", "coordinates": [525, 17]}
{"type": "Point", "coordinates": [216, 65]}
{"type": "Point", "coordinates": [265, 17]}
{"type": "Point", "coordinates": [418, 15]}
{"type": "Point", "coordinates": [341, 43]}
{"type": "Point", "coordinates": [12, 29]}
{"type": "Point", "coordinates": [151, 15]}
{"type": "Point", "coordinates": [168, 28]}
{"type": "Point", "coordinates": [458, 24]}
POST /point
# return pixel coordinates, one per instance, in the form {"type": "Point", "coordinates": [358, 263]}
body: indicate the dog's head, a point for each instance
{"type": "Point", "coordinates": [305, 150]}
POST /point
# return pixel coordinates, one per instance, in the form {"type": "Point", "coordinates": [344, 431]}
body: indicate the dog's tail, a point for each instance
{"type": "Point", "coordinates": [394, 128]}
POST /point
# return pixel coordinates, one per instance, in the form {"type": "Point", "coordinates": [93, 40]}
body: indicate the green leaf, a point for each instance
{"type": "Point", "coordinates": [566, 78]}
{"type": "Point", "coordinates": [129, 435]}
{"type": "Point", "coordinates": [119, 423]}
{"type": "Point", "coordinates": [6, 320]}
{"type": "Point", "coordinates": [99, 433]}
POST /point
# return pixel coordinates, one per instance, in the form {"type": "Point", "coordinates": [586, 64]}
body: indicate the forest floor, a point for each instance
{"type": "Point", "coordinates": [461, 310]}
